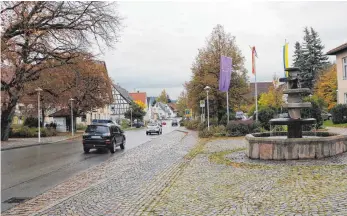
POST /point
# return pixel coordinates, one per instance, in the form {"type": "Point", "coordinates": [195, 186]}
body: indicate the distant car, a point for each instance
{"type": "Point", "coordinates": [104, 121]}
{"type": "Point", "coordinates": [240, 116]}
{"type": "Point", "coordinates": [174, 122]}
{"type": "Point", "coordinates": [154, 128]}
{"type": "Point", "coordinates": [326, 116]}
{"type": "Point", "coordinates": [283, 115]}
{"type": "Point", "coordinates": [138, 124]}
{"type": "Point", "coordinates": [103, 136]}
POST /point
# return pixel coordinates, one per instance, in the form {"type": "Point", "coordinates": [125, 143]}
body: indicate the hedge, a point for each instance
{"type": "Point", "coordinates": [27, 132]}
{"type": "Point", "coordinates": [339, 113]}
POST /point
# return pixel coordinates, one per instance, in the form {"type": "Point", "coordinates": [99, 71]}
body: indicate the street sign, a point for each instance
{"type": "Point", "coordinates": [202, 103]}
{"type": "Point", "coordinates": [188, 112]}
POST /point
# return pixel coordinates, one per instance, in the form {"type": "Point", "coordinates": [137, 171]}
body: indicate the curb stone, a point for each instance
{"type": "Point", "coordinates": [37, 144]}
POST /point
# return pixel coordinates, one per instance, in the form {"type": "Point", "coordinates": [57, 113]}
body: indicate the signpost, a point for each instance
{"type": "Point", "coordinates": [188, 113]}
{"type": "Point", "coordinates": [202, 105]}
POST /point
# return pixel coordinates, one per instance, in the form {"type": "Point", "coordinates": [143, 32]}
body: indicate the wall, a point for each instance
{"type": "Point", "coordinates": [342, 84]}
{"type": "Point", "coordinates": [61, 123]}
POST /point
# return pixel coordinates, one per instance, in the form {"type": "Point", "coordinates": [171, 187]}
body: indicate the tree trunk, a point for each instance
{"type": "Point", "coordinates": [6, 118]}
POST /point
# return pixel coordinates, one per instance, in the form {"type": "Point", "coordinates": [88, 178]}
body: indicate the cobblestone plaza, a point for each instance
{"type": "Point", "coordinates": [178, 175]}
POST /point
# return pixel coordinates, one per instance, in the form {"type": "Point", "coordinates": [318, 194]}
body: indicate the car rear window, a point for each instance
{"type": "Point", "coordinates": [97, 129]}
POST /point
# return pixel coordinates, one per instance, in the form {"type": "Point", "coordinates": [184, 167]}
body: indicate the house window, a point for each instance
{"type": "Point", "coordinates": [344, 68]}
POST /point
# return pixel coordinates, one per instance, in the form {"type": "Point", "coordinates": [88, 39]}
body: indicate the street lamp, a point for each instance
{"type": "Point", "coordinates": [72, 129]}
{"type": "Point", "coordinates": [38, 112]}
{"type": "Point", "coordinates": [131, 117]}
{"type": "Point", "coordinates": [207, 89]}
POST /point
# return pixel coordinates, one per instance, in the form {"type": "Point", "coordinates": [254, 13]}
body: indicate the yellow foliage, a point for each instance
{"type": "Point", "coordinates": [273, 98]}
{"type": "Point", "coordinates": [326, 86]}
{"type": "Point", "coordinates": [140, 104]}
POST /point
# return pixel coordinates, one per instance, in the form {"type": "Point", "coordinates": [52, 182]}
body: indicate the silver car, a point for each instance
{"type": "Point", "coordinates": [154, 128]}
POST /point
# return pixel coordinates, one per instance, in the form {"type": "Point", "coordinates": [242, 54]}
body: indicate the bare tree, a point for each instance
{"type": "Point", "coordinates": [40, 35]}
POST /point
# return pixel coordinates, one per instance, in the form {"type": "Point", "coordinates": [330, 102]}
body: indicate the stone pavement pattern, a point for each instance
{"type": "Point", "coordinates": [222, 181]}
{"type": "Point", "coordinates": [156, 179]}
{"type": "Point", "coordinates": [124, 185]}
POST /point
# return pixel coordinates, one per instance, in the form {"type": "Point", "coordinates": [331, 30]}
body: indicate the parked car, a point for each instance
{"type": "Point", "coordinates": [174, 122]}
{"type": "Point", "coordinates": [283, 115]}
{"type": "Point", "coordinates": [326, 116]}
{"type": "Point", "coordinates": [103, 136]}
{"type": "Point", "coordinates": [104, 121]}
{"type": "Point", "coordinates": [240, 116]}
{"type": "Point", "coordinates": [138, 124]}
{"type": "Point", "coordinates": [154, 128]}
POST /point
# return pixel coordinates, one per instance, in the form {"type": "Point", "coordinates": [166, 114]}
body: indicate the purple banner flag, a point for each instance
{"type": "Point", "coordinates": [225, 73]}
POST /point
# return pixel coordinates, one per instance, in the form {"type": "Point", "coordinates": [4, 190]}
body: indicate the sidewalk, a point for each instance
{"type": "Point", "coordinates": [337, 130]}
{"type": "Point", "coordinates": [14, 143]}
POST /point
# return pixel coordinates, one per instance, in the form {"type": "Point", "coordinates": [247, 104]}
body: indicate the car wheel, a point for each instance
{"type": "Point", "coordinates": [113, 147]}
{"type": "Point", "coordinates": [122, 146]}
{"type": "Point", "coordinates": [86, 150]}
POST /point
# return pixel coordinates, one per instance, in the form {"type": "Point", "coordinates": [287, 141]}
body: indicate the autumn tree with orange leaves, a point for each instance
{"type": "Point", "coordinates": [86, 81]}
{"type": "Point", "coordinates": [326, 86]}
{"type": "Point", "coordinates": [37, 35]}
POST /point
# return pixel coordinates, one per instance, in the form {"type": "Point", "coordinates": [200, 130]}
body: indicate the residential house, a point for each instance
{"type": "Point", "coordinates": [162, 111]}
{"type": "Point", "coordinates": [139, 96]}
{"type": "Point", "coordinates": [262, 87]}
{"type": "Point", "coordinates": [341, 67]}
{"type": "Point", "coordinates": [121, 103]}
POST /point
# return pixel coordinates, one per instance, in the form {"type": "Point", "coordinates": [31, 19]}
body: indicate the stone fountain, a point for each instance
{"type": "Point", "coordinates": [294, 144]}
{"type": "Point", "coordinates": [294, 105]}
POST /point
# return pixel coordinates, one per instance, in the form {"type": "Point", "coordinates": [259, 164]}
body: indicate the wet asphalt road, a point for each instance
{"type": "Point", "coordinates": [28, 172]}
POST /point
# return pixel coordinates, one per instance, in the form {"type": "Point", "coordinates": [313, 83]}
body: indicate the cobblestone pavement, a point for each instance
{"type": "Point", "coordinates": [215, 178]}
{"type": "Point", "coordinates": [124, 185]}
{"type": "Point", "coordinates": [222, 181]}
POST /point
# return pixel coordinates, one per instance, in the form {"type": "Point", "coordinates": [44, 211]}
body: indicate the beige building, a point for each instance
{"type": "Point", "coordinates": [341, 66]}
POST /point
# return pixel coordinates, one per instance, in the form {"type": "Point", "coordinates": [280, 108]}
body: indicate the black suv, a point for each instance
{"type": "Point", "coordinates": [101, 136]}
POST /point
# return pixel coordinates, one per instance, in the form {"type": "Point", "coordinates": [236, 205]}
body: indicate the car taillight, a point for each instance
{"type": "Point", "coordinates": [108, 141]}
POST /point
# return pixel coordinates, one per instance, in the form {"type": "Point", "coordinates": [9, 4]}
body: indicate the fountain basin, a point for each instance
{"type": "Point", "coordinates": [321, 145]}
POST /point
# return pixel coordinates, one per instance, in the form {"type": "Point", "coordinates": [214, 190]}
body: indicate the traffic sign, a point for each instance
{"type": "Point", "coordinates": [188, 112]}
{"type": "Point", "coordinates": [202, 103]}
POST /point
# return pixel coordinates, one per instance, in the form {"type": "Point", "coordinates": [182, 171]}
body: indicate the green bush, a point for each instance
{"type": "Point", "coordinates": [27, 132]}
{"type": "Point", "coordinates": [205, 133]}
{"type": "Point", "coordinates": [182, 123]}
{"type": "Point", "coordinates": [81, 127]}
{"type": "Point", "coordinates": [312, 112]}
{"type": "Point", "coordinates": [31, 122]}
{"type": "Point", "coordinates": [241, 128]}
{"type": "Point", "coordinates": [192, 125]}
{"type": "Point", "coordinates": [339, 113]}
{"type": "Point", "coordinates": [218, 130]}
{"type": "Point", "coordinates": [264, 116]}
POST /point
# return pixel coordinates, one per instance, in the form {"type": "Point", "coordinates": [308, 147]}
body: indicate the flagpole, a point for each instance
{"type": "Point", "coordinates": [228, 105]}
{"type": "Point", "coordinates": [256, 97]}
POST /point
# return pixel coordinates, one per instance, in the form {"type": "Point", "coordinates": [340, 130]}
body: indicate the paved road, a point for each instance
{"type": "Point", "coordinates": [28, 172]}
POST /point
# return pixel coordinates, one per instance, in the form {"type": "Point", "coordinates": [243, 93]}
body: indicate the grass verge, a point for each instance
{"type": "Point", "coordinates": [329, 123]}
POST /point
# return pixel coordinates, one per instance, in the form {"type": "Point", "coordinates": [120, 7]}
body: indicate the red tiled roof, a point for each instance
{"type": "Point", "coordinates": [173, 106]}
{"type": "Point", "coordinates": [338, 49]}
{"type": "Point", "coordinates": [141, 96]}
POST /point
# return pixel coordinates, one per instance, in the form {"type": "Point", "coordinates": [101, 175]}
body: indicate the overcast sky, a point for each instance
{"type": "Point", "coordinates": [161, 39]}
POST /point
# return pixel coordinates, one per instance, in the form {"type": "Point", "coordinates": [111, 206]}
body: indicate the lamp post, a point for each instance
{"type": "Point", "coordinates": [38, 112]}
{"type": "Point", "coordinates": [131, 117]}
{"type": "Point", "coordinates": [207, 89]}
{"type": "Point", "coordinates": [72, 129]}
